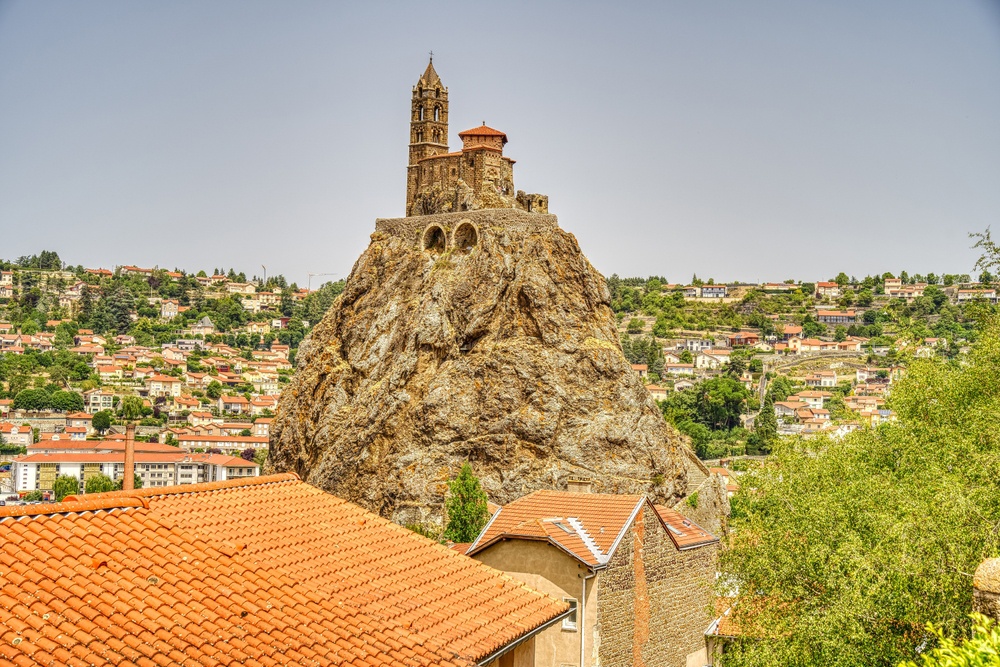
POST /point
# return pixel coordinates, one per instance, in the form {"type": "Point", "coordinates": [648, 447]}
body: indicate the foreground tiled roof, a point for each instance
{"type": "Point", "coordinates": [265, 571]}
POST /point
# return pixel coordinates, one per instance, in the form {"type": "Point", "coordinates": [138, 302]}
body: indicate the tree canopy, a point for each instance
{"type": "Point", "coordinates": [466, 507]}
{"type": "Point", "coordinates": [843, 550]}
{"type": "Point", "coordinates": [65, 485]}
{"type": "Point", "coordinates": [99, 484]}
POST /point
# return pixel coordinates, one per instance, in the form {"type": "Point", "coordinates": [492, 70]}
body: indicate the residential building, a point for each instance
{"type": "Point", "coordinates": [827, 290]}
{"type": "Point", "coordinates": [169, 309]}
{"type": "Point", "coordinates": [713, 291]}
{"type": "Point", "coordinates": [907, 292]}
{"type": "Point", "coordinates": [262, 426]}
{"type": "Point", "coordinates": [234, 404]}
{"type": "Point", "coordinates": [641, 369]}
{"type": "Point", "coordinates": [16, 435]}
{"type": "Point", "coordinates": [623, 565]}
{"type": "Point", "coordinates": [743, 339]}
{"type": "Point", "coordinates": [814, 399]}
{"type": "Point", "coordinates": [836, 317]}
{"type": "Point", "coordinates": [711, 359]}
{"type": "Point", "coordinates": [203, 327]}
{"type": "Point", "coordinates": [96, 400]}
{"type": "Point", "coordinates": [228, 444]}
{"type": "Point", "coordinates": [38, 471]}
{"type": "Point", "coordinates": [821, 379]}
{"type": "Point", "coordinates": [164, 385]}
{"type": "Point", "coordinates": [657, 392]}
{"type": "Point", "coordinates": [969, 295]}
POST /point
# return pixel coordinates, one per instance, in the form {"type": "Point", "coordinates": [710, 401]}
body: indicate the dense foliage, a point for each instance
{"type": "Point", "coordinates": [981, 649]}
{"type": "Point", "coordinates": [843, 550]}
{"type": "Point", "coordinates": [465, 507]}
{"type": "Point", "coordinates": [65, 485]}
{"type": "Point", "coordinates": [99, 484]}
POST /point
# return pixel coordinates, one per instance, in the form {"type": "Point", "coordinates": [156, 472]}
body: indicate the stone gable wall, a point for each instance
{"type": "Point", "coordinates": [654, 601]}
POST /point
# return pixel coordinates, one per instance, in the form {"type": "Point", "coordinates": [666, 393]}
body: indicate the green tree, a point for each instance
{"type": "Point", "coordinates": [981, 649]}
{"type": "Point", "coordinates": [766, 425]}
{"type": "Point", "coordinates": [65, 485]}
{"type": "Point", "coordinates": [842, 280]}
{"type": "Point", "coordinates": [99, 484]}
{"type": "Point", "coordinates": [844, 549]}
{"type": "Point", "coordinates": [102, 421]}
{"type": "Point", "coordinates": [131, 408]}
{"type": "Point", "coordinates": [214, 390]}
{"type": "Point", "coordinates": [840, 333]}
{"type": "Point", "coordinates": [33, 496]}
{"type": "Point", "coordinates": [686, 357]}
{"type": "Point", "coordinates": [137, 483]}
{"type": "Point", "coordinates": [32, 399]}
{"type": "Point", "coordinates": [67, 401]}
{"type": "Point", "coordinates": [465, 507]}
{"type": "Point", "coordinates": [635, 326]}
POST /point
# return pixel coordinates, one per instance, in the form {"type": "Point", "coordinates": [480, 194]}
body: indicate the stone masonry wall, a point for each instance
{"type": "Point", "coordinates": [653, 600]}
{"type": "Point", "coordinates": [411, 229]}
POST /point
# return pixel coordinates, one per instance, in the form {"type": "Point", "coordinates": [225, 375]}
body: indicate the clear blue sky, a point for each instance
{"type": "Point", "coordinates": [740, 140]}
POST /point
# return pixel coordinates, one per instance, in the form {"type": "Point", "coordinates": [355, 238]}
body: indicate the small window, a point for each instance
{"type": "Point", "coordinates": [437, 113]}
{"type": "Point", "coordinates": [569, 623]}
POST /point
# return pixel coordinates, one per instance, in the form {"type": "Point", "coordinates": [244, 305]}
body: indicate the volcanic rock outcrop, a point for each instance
{"type": "Point", "coordinates": [483, 336]}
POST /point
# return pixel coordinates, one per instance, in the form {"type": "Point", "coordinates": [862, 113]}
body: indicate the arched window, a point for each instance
{"type": "Point", "coordinates": [420, 114]}
{"type": "Point", "coordinates": [420, 136]}
{"type": "Point", "coordinates": [437, 136]}
{"type": "Point", "coordinates": [437, 92]}
{"type": "Point", "coordinates": [437, 113]}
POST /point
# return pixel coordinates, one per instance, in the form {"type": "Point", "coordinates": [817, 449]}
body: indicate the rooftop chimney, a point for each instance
{"type": "Point", "coordinates": [128, 479]}
{"type": "Point", "coordinates": [578, 485]}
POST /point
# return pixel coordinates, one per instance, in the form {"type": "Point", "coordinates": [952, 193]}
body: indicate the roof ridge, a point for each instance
{"type": "Point", "coordinates": [180, 489]}
{"type": "Point", "coordinates": [73, 505]}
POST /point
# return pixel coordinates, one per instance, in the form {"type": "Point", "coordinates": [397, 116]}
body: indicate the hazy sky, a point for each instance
{"type": "Point", "coordinates": [740, 140]}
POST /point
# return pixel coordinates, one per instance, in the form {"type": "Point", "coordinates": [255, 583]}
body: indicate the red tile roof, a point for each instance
{"type": "Point", "coordinates": [264, 571]}
{"type": "Point", "coordinates": [587, 526]}
{"type": "Point", "coordinates": [685, 533]}
{"type": "Point", "coordinates": [483, 131]}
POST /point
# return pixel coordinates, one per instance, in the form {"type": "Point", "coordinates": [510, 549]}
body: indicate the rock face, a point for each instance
{"type": "Point", "coordinates": [484, 336]}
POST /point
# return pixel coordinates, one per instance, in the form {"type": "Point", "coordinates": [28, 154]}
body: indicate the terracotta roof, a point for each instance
{"type": "Point", "coordinates": [483, 131]}
{"type": "Point", "coordinates": [587, 526]}
{"type": "Point", "coordinates": [686, 534]}
{"type": "Point", "coordinates": [266, 570]}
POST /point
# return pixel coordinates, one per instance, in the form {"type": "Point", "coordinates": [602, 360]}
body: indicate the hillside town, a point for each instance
{"type": "Point", "coordinates": [831, 349]}
{"type": "Point", "coordinates": [208, 365]}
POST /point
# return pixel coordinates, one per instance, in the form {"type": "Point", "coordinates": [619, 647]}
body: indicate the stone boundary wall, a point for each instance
{"type": "Point", "coordinates": [412, 229]}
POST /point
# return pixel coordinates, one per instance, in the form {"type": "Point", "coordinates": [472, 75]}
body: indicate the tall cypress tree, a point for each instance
{"type": "Point", "coordinates": [466, 507]}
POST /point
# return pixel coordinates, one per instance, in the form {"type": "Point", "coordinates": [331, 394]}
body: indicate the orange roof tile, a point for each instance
{"type": "Point", "coordinates": [483, 131]}
{"type": "Point", "coordinates": [587, 526]}
{"type": "Point", "coordinates": [266, 570]}
{"type": "Point", "coordinates": [685, 533]}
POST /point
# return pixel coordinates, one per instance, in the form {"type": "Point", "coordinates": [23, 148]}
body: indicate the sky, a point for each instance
{"type": "Point", "coordinates": [750, 141]}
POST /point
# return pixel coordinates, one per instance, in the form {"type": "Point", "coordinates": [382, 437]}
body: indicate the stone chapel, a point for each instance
{"type": "Point", "coordinates": [476, 177]}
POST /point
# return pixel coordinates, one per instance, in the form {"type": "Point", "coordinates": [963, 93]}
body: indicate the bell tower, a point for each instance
{"type": "Point", "coordinates": [428, 124]}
